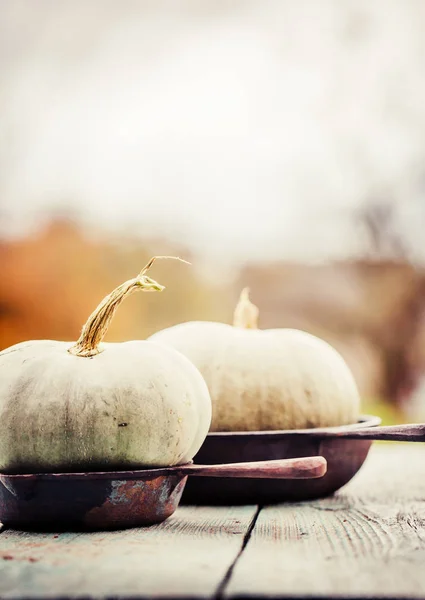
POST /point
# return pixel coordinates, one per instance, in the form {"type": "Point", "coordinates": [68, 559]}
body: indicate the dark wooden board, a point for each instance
{"type": "Point", "coordinates": [367, 541]}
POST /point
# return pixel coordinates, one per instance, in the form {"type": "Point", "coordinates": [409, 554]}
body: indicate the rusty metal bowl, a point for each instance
{"type": "Point", "coordinates": [111, 500]}
{"type": "Point", "coordinates": [103, 500]}
{"type": "Point", "coordinates": [344, 458]}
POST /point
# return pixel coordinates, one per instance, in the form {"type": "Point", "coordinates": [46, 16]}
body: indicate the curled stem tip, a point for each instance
{"type": "Point", "coordinates": [98, 322]}
{"type": "Point", "coordinates": [154, 258]}
{"type": "Point", "coordinates": [246, 313]}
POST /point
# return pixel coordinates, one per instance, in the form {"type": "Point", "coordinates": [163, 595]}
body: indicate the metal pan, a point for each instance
{"type": "Point", "coordinates": [111, 500]}
{"type": "Point", "coordinates": [344, 458]}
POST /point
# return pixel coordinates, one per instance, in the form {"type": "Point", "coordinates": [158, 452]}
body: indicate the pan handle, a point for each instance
{"type": "Point", "coordinates": [413, 432]}
{"type": "Point", "coordinates": [310, 467]}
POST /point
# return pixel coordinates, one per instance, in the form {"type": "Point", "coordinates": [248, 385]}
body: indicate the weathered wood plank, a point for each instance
{"type": "Point", "coordinates": [367, 541]}
{"type": "Point", "coordinates": [187, 556]}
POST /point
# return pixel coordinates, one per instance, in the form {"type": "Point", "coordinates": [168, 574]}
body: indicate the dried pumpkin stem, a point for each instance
{"type": "Point", "coordinates": [98, 322]}
{"type": "Point", "coordinates": [246, 313]}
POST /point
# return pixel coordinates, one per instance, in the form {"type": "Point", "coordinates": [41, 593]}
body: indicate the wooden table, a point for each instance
{"type": "Point", "coordinates": [366, 541]}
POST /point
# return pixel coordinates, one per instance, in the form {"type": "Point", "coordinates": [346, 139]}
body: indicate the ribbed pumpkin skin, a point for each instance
{"type": "Point", "coordinates": [135, 404]}
{"type": "Point", "coordinates": [267, 379]}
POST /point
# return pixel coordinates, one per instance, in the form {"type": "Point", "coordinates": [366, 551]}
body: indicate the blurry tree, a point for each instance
{"type": "Point", "coordinates": [379, 220]}
{"type": "Point", "coordinates": [399, 336]}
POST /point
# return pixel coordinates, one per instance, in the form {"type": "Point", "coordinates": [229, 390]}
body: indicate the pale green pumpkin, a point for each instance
{"type": "Point", "coordinates": [266, 379]}
{"type": "Point", "coordinates": [89, 406]}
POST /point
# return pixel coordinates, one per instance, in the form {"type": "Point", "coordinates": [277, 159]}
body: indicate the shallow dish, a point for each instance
{"type": "Point", "coordinates": [344, 458]}
{"type": "Point", "coordinates": [102, 500]}
{"type": "Point", "coordinates": [118, 499]}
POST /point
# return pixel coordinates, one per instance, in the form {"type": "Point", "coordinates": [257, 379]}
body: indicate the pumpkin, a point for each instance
{"type": "Point", "coordinates": [93, 406]}
{"type": "Point", "coordinates": [266, 380]}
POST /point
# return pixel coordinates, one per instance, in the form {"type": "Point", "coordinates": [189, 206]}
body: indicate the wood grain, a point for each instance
{"type": "Point", "coordinates": [308, 467]}
{"type": "Point", "coordinates": [187, 556]}
{"type": "Point", "coordinates": [366, 541]}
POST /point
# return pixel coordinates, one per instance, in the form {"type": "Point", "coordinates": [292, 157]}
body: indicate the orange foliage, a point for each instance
{"type": "Point", "coordinates": [51, 283]}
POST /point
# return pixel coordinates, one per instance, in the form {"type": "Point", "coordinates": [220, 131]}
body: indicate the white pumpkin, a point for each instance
{"type": "Point", "coordinates": [266, 380]}
{"type": "Point", "coordinates": [91, 407]}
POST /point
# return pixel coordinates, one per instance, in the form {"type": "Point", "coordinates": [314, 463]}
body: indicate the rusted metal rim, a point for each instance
{"type": "Point", "coordinates": [364, 421]}
{"type": "Point", "coordinates": [138, 474]}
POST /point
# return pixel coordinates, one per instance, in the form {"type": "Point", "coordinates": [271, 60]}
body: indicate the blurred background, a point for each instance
{"type": "Point", "coordinates": [278, 144]}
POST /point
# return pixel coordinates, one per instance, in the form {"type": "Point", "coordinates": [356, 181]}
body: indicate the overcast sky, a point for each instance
{"type": "Point", "coordinates": [242, 128]}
